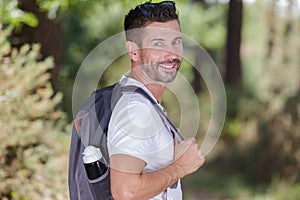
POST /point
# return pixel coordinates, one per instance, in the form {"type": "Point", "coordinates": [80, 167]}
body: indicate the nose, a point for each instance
{"type": "Point", "coordinates": [173, 53]}
{"type": "Point", "coordinates": [172, 58]}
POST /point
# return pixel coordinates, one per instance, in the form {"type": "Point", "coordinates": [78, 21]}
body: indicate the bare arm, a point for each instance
{"type": "Point", "coordinates": [128, 182]}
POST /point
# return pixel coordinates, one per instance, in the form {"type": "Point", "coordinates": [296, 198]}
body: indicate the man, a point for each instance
{"type": "Point", "coordinates": [146, 161]}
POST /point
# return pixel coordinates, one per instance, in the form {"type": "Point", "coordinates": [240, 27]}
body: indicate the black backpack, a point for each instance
{"type": "Point", "coordinates": [90, 128]}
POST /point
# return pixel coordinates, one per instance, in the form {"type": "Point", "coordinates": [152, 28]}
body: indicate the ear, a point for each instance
{"type": "Point", "coordinates": [132, 50]}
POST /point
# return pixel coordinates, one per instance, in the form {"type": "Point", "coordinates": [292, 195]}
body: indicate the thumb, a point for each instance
{"type": "Point", "coordinates": [183, 146]}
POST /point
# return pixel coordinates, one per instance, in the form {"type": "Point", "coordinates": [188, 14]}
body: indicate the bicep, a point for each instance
{"type": "Point", "coordinates": [125, 175]}
{"type": "Point", "coordinates": [127, 163]}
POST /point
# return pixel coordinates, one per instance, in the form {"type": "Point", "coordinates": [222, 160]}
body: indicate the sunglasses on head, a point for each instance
{"type": "Point", "coordinates": [148, 8]}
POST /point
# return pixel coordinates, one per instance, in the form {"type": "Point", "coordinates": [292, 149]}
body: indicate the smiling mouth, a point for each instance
{"type": "Point", "coordinates": [168, 66]}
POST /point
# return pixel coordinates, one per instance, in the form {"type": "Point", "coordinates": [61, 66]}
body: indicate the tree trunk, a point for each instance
{"type": "Point", "coordinates": [233, 60]}
{"type": "Point", "coordinates": [287, 33]}
{"type": "Point", "coordinates": [196, 83]}
{"type": "Point", "coordinates": [48, 33]}
{"type": "Point", "coordinates": [271, 26]}
{"type": "Point", "coordinates": [202, 2]}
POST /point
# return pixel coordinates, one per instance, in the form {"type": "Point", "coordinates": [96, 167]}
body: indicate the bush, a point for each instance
{"type": "Point", "coordinates": [33, 151]}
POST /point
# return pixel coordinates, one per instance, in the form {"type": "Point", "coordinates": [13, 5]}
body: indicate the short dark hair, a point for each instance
{"type": "Point", "coordinates": [148, 12]}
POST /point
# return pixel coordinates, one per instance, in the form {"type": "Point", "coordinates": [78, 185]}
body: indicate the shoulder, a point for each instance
{"type": "Point", "coordinates": [135, 116]}
{"type": "Point", "coordinates": [134, 108]}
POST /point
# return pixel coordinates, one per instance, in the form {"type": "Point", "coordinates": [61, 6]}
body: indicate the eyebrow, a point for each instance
{"type": "Point", "coordinates": [161, 39]}
{"type": "Point", "coordinates": [179, 37]}
{"type": "Point", "coordinates": [157, 39]}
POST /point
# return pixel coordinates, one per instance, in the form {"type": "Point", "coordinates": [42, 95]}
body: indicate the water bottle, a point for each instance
{"type": "Point", "coordinates": [94, 163]}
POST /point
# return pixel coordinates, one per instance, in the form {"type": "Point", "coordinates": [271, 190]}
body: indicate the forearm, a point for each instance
{"type": "Point", "coordinates": [143, 185]}
{"type": "Point", "coordinates": [130, 182]}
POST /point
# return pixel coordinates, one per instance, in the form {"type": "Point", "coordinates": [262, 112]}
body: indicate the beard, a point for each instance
{"type": "Point", "coordinates": [157, 72]}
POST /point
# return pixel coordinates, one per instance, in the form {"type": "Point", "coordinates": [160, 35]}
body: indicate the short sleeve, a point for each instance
{"type": "Point", "coordinates": [136, 129]}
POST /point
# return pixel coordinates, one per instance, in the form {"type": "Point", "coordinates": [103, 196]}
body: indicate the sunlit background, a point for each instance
{"type": "Point", "coordinates": [255, 45]}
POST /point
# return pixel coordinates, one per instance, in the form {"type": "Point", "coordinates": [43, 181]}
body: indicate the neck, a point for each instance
{"type": "Point", "coordinates": [156, 88]}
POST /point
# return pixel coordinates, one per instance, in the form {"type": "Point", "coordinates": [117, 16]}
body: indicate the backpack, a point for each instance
{"type": "Point", "coordinates": [90, 128]}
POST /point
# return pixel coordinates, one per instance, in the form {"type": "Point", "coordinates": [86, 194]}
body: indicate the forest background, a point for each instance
{"type": "Point", "coordinates": [255, 45]}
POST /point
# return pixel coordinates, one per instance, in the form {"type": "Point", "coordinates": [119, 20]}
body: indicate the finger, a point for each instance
{"type": "Point", "coordinates": [186, 143]}
{"type": "Point", "coordinates": [189, 140]}
{"type": "Point", "coordinates": [181, 148]}
{"type": "Point", "coordinates": [200, 155]}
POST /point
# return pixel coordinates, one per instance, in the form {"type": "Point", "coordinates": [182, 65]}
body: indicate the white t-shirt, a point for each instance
{"type": "Point", "coordinates": [137, 129]}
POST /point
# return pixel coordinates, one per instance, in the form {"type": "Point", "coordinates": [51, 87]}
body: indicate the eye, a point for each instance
{"type": "Point", "coordinates": [177, 41]}
{"type": "Point", "coordinates": [157, 44]}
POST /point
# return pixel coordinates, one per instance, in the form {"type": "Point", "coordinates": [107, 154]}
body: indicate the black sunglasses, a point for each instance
{"type": "Point", "coordinates": [148, 8]}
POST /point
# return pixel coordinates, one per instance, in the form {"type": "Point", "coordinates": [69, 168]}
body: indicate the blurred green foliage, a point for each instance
{"type": "Point", "coordinates": [258, 154]}
{"type": "Point", "coordinates": [206, 25]}
{"type": "Point", "coordinates": [33, 153]}
{"type": "Point", "coordinates": [11, 14]}
{"type": "Point", "coordinates": [55, 7]}
{"type": "Point", "coordinates": [207, 184]}
{"type": "Point", "coordinates": [260, 139]}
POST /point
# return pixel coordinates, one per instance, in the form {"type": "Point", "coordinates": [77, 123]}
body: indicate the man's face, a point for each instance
{"type": "Point", "coordinates": [161, 51]}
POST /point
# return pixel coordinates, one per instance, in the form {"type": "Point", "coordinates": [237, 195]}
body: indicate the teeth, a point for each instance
{"type": "Point", "coordinates": [167, 66]}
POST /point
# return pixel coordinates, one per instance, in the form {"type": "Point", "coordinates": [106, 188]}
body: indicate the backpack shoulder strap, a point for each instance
{"type": "Point", "coordinates": [132, 88]}
{"type": "Point", "coordinates": [179, 137]}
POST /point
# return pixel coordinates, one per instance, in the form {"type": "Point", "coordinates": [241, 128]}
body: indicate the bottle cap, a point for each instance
{"type": "Point", "coordinates": [91, 154]}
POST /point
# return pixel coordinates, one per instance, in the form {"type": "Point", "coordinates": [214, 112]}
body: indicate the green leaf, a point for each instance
{"type": "Point", "coordinates": [30, 19]}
